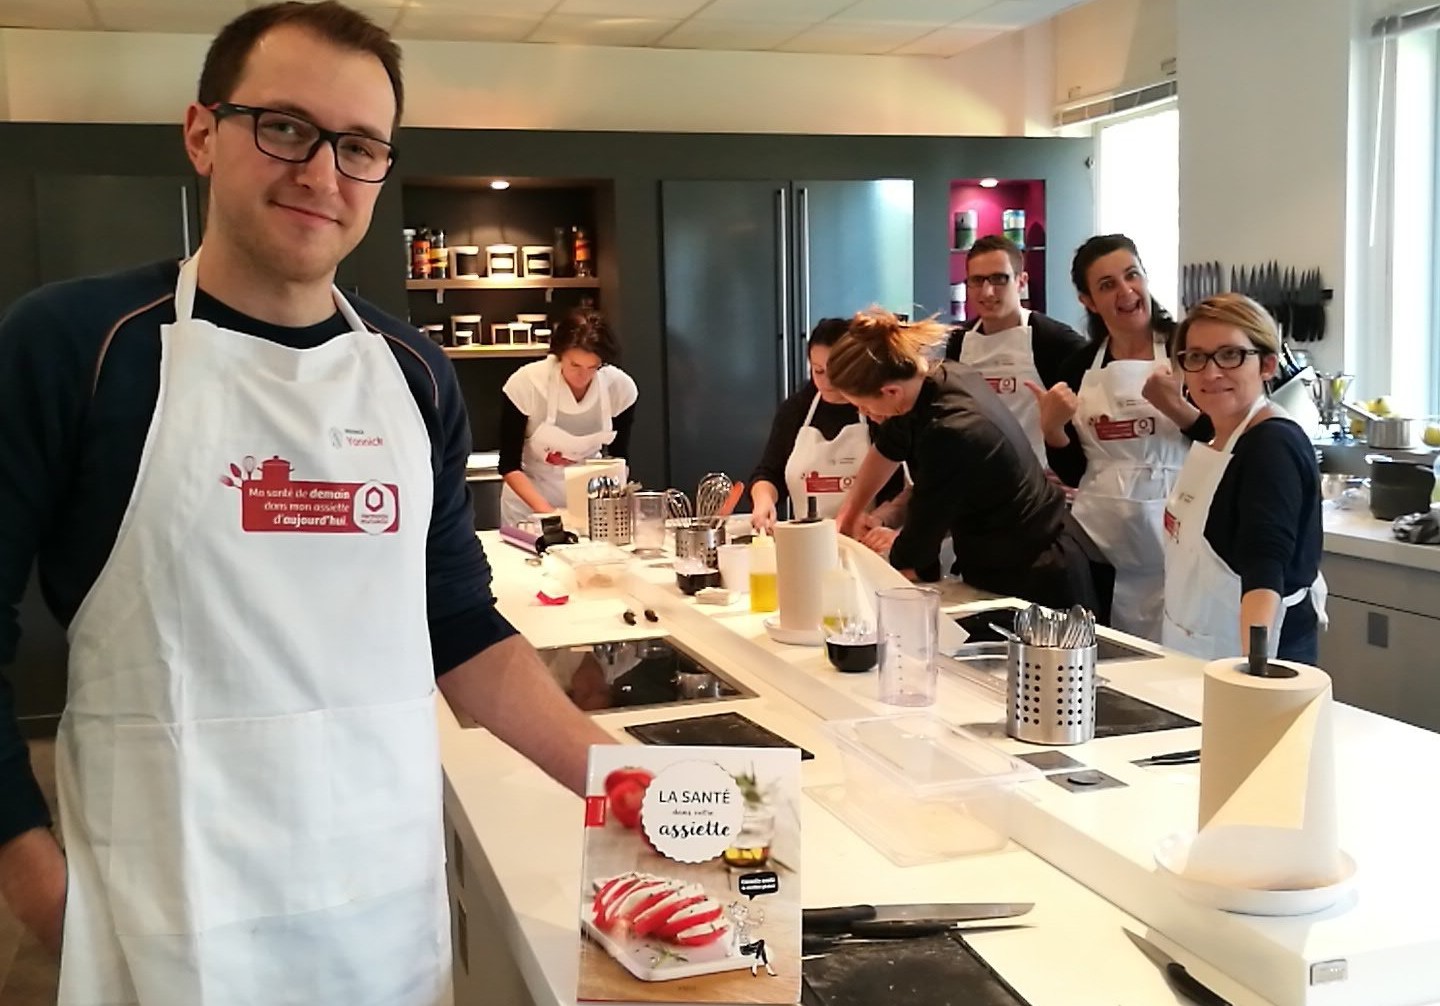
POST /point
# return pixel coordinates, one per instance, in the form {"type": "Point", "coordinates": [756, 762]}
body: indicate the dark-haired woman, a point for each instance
{"type": "Point", "coordinates": [562, 410]}
{"type": "Point", "coordinates": [974, 473]}
{"type": "Point", "coordinates": [1113, 426]}
{"type": "Point", "coordinates": [817, 441]}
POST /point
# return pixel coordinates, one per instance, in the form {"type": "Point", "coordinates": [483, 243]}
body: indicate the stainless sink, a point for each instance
{"type": "Point", "coordinates": [637, 673]}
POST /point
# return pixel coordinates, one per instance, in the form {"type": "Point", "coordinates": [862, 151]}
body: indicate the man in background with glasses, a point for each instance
{"type": "Point", "coordinates": [1009, 343]}
{"type": "Point", "coordinates": [246, 494]}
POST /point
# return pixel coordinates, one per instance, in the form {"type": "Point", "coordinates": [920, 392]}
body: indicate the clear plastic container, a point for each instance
{"type": "Point", "coordinates": [594, 565]}
{"type": "Point", "coordinates": [922, 790]}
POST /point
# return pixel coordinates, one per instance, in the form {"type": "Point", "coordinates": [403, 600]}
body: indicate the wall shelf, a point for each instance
{"type": "Point", "coordinates": [546, 283]}
{"type": "Point", "coordinates": [506, 283]}
{"type": "Point", "coordinates": [533, 352]}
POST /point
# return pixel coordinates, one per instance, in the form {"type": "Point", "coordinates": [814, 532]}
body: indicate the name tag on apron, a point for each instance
{"type": "Point", "coordinates": [274, 502]}
{"type": "Point", "coordinates": [1123, 429]}
{"type": "Point", "coordinates": [815, 483]}
{"type": "Point", "coordinates": [1172, 526]}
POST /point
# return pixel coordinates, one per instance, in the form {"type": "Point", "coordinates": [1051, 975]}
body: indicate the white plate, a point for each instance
{"type": "Point", "coordinates": [1173, 851]}
{"type": "Point", "coordinates": [794, 637]}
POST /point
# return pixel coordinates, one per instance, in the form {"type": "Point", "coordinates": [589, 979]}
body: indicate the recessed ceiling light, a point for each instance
{"type": "Point", "coordinates": [500, 184]}
{"type": "Point", "coordinates": [989, 183]}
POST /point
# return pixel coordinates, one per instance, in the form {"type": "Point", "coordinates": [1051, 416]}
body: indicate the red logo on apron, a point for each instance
{"type": "Point", "coordinates": [1002, 385]}
{"type": "Point", "coordinates": [1172, 525]}
{"type": "Point", "coordinates": [1122, 429]}
{"type": "Point", "coordinates": [815, 483]}
{"type": "Point", "coordinates": [271, 501]}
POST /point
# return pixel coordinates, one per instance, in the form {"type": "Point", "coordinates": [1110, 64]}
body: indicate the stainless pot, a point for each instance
{"type": "Point", "coordinates": [1390, 432]}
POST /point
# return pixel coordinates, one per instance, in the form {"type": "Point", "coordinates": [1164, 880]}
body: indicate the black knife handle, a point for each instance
{"type": "Point", "coordinates": [836, 920]}
{"type": "Point", "coordinates": [1191, 987]}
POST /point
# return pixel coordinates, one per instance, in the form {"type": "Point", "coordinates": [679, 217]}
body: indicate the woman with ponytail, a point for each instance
{"type": "Point", "coordinates": [975, 475]}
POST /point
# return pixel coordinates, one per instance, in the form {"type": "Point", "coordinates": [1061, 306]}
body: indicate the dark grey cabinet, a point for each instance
{"type": "Point", "coordinates": [748, 268]}
{"type": "Point", "coordinates": [94, 224]}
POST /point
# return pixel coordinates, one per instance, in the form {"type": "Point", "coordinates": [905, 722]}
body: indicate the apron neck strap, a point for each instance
{"type": "Point", "coordinates": [188, 282]}
{"type": "Point", "coordinates": [1099, 361]}
{"type": "Point", "coordinates": [558, 387]}
{"type": "Point", "coordinates": [1229, 444]}
{"type": "Point", "coordinates": [814, 404]}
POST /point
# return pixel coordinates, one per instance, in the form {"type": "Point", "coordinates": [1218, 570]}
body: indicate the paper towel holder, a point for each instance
{"type": "Point", "coordinates": [1256, 664]}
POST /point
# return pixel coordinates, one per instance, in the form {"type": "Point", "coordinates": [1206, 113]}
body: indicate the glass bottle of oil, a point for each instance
{"type": "Point", "coordinates": [764, 587]}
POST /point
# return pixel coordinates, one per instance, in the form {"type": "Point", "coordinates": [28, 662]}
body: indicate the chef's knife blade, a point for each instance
{"type": "Point", "coordinates": [1180, 979]}
{"type": "Point", "coordinates": [841, 918]}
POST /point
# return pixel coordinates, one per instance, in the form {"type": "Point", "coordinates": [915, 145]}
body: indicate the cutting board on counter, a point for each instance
{"type": "Point", "coordinates": [930, 971]}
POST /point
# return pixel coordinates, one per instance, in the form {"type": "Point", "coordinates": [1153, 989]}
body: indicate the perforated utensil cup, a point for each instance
{"type": "Point", "coordinates": [1051, 694]}
{"type": "Point", "coordinates": [610, 519]}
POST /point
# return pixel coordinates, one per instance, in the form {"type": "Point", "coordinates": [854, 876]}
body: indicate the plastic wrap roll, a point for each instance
{"type": "Point", "coordinates": [803, 552]}
{"type": "Point", "coordinates": [1268, 817]}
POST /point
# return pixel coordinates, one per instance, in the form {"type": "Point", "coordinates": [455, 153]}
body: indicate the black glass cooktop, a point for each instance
{"type": "Point", "coordinates": [978, 626]}
{"type": "Point", "coordinates": [635, 673]}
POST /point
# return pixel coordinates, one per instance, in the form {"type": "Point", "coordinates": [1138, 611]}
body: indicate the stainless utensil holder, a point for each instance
{"type": "Point", "coordinates": [1051, 694]}
{"type": "Point", "coordinates": [609, 519]}
{"type": "Point", "coordinates": [700, 538]}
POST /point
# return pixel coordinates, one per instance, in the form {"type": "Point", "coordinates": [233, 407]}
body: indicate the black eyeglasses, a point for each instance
{"type": "Point", "coordinates": [288, 137]}
{"type": "Point", "coordinates": [999, 280]}
{"type": "Point", "coordinates": [1192, 361]}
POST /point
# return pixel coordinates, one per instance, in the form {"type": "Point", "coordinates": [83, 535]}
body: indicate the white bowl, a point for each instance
{"type": "Point", "coordinates": [1173, 851]}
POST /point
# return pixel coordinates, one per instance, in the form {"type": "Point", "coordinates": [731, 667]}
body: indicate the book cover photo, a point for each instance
{"type": "Point", "coordinates": [691, 875]}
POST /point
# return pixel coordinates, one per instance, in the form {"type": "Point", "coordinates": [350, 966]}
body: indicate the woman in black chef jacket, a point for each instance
{"type": "Point", "coordinates": [1113, 425]}
{"type": "Point", "coordinates": [1242, 525]}
{"type": "Point", "coordinates": [973, 470]}
{"type": "Point", "coordinates": [817, 441]}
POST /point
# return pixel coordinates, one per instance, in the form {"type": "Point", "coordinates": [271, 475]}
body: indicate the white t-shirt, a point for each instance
{"type": "Point", "coordinates": [528, 386]}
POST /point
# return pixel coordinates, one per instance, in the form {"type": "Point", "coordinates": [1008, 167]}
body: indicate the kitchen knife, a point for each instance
{"type": "Point", "coordinates": [841, 919]}
{"type": "Point", "coordinates": [1181, 980]}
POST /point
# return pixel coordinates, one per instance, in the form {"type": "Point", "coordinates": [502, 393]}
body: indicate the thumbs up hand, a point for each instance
{"type": "Point", "coordinates": [1057, 407]}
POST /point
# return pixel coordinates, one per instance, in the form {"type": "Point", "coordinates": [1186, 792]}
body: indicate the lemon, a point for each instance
{"type": "Point", "coordinates": [1381, 406]}
{"type": "Point", "coordinates": [1357, 426]}
{"type": "Point", "coordinates": [1431, 436]}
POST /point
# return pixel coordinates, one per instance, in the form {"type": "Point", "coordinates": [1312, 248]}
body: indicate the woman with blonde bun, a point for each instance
{"type": "Point", "coordinates": [975, 474]}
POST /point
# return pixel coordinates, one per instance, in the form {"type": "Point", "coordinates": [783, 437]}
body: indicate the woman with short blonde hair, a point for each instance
{"type": "Point", "coordinates": [1242, 525]}
{"type": "Point", "coordinates": [975, 475]}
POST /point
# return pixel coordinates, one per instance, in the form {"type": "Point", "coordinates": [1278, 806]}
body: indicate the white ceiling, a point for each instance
{"type": "Point", "coordinates": [871, 27]}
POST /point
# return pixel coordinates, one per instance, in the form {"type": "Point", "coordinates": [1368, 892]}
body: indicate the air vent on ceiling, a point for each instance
{"type": "Point", "coordinates": [1116, 104]}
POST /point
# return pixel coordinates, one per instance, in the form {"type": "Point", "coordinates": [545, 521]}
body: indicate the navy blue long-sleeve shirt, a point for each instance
{"type": "Point", "coordinates": [1264, 523]}
{"type": "Point", "coordinates": [79, 380]}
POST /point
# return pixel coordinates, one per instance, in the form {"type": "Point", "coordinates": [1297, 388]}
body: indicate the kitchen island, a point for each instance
{"type": "Point", "coordinates": [1085, 859]}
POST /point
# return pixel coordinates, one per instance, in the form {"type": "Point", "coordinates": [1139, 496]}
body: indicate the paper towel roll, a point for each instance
{"type": "Point", "coordinates": [1268, 817]}
{"type": "Point", "coordinates": [803, 552]}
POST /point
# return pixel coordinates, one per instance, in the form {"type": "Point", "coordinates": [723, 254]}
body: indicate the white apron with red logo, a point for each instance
{"type": "Point", "coordinates": [824, 468]}
{"type": "Point", "coordinates": [551, 449]}
{"type": "Point", "coordinates": [1202, 593]}
{"type": "Point", "coordinates": [248, 762]}
{"type": "Point", "coordinates": [1132, 456]}
{"type": "Point", "coordinates": [1007, 360]}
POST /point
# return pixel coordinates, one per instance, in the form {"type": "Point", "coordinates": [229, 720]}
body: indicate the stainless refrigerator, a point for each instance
{"type": "Point", "coordinates": [749, 267]}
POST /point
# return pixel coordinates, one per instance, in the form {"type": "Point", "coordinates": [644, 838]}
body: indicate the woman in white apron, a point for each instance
{"type": "Point", "coordinates": [819, 457]}
{"type": "Point", "coordinates": [1126, 435]}
{"type": "Point", "coordinates": [559, 411]}
{"type": "Point", "coordinates": [1242, 525]}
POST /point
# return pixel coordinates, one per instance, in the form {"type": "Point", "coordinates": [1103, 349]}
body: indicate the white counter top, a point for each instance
{"type": "Point", "coordinates": [1074, 953]}
{"type": "Point", "coordinates": [1355, 533]}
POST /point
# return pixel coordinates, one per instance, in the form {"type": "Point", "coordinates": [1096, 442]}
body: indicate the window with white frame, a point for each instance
{"type": "Point", "coordinates": [1397, 351]}
{"type": "Point", "coordinates": [1138, 193]}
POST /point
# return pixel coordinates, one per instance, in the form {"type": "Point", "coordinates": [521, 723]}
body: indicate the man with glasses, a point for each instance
{"type": "Point", "coordinates": [1010, 344]}
{"type": "Point", "coordinates": [247, 499]}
